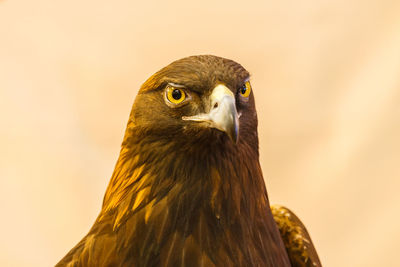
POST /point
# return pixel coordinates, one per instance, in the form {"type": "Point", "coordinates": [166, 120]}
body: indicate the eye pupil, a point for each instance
{"type": "Point", "coordinates": [243, 89]}
{"type": "Point", "coordinates": [176, 94]}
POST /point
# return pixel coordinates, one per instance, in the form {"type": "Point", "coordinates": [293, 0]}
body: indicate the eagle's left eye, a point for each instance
{"type": "Point", "coordinates": [175, 95]}
{"type": "Point", "coordinates": [245, 90]}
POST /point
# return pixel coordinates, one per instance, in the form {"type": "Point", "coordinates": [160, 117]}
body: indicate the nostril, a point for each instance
{"type": "Point", "coordinates": [216, 105]}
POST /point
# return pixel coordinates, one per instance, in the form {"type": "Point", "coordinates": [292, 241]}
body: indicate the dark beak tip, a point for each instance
{"type": "Point", "coordinates": [234, 135]}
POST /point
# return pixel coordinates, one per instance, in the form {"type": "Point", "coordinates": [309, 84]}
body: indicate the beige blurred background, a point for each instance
{"type": "Point", "coordinates": [326, 76]}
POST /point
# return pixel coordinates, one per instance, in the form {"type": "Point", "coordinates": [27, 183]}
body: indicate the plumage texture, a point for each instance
{"type": "Point", "coordinates": [297, 241]}
{"type": "Point", "coordinates": [182, 193]}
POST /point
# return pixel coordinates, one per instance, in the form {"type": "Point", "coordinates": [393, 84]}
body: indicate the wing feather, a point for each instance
{"type": "Point", "coordinates": [300, 249]}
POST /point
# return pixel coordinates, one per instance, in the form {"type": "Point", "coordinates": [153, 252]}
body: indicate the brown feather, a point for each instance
{"type": "Point", "coordinates": [297, 241]}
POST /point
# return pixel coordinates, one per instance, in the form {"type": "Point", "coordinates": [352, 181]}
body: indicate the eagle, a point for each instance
{"type": "Point", "coordinates": [187, 189]}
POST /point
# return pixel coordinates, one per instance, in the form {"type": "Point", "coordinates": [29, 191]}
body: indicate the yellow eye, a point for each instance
{"type": "Point", "coordinates": [245, 90]}
{"type": "Point", "coordinates": [175, 95]}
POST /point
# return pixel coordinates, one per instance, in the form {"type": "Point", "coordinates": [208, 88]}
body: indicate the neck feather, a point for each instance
{"type": "Point", "coordinates": [207, 198]}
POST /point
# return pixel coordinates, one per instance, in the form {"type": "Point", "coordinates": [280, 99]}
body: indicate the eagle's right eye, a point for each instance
{"type": "Point", "coordinates": [245, 90]}
{"type": "Point", "coordinates": [175, 95]}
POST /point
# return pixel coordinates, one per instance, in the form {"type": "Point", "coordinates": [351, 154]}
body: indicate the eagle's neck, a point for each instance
{"type": "Point", "coordinates": [210, 197]}
{"type": "Point", "coordinates": [223, 174]}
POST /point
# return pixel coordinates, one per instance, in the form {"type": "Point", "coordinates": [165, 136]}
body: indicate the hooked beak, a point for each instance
{"type": "Point", "coordinates": [222, 115]}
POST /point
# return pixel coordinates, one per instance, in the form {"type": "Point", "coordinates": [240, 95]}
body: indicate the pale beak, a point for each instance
{"type": "Point", "coordinates": [222, 115]}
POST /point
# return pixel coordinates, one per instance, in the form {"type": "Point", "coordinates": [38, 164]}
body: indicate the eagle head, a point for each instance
{"type": "Point", "coordinates": [197, 99]}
